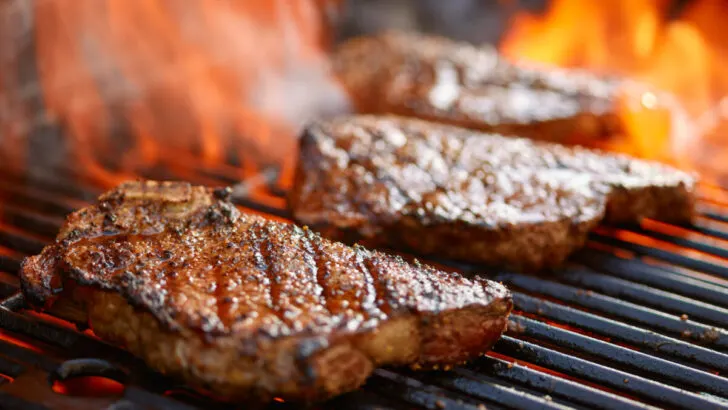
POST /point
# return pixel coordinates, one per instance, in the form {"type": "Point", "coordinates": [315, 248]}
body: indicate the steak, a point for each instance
{"type": "Point", "coordinates": [460, 84]}
{"type": "Point", "coordinates": [249, 308]}
{"type": "Point", "coordinates": [442, 190]}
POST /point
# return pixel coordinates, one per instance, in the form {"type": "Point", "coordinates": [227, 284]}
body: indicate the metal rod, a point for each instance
{"type": "Point", "coordinates": [14, 302]}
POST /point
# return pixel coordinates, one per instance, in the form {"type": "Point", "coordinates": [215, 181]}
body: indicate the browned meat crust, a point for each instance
{"type": "Point", "coordinates": [443, 190]}
{"type": "Point", "coordinates": [457, 83]}
{"type": "Point", "coordinates": [249, 308]}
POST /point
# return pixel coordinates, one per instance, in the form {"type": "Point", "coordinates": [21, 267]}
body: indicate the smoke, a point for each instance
{"type": "Point", "coordinates": [133, 82]}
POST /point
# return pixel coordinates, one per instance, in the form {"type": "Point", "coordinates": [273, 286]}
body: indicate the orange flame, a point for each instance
{"type": "Point", "coordinates": [88, 386]}
{"type": "Point", "coordinates": [138, 83]}
{"type": "Point", "coordinates": [636, 39]}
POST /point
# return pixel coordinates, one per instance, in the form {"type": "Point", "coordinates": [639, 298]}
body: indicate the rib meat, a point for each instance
{"type": "Point", "coordinates": [442, 190]}
{"type": "Point", "coordinates": [249, 308]}
{"type": "Point", "coordinates": [457, 83]}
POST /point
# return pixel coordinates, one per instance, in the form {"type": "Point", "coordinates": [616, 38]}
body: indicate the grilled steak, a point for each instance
{"type": "Point", "coordinates": [249, 308]}
{"type": "Point", "coordinates": [443, 190]}
{"type": "Point", "coordinates": [457, 83]}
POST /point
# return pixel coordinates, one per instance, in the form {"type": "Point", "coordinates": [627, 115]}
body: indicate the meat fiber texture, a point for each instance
{"type": "Point", "coordinates": [457, 83]}
{"type": "Point", "coordinates": [251, 309]}
{"type": "Point", "coordinates": [447, 191]}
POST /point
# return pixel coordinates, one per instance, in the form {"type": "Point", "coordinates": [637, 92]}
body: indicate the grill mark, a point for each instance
{"type": "Point", "coordinates": [262, 255]}
{"type": "Point", "coordinates": [274, 288]}
{"type": "Point", "coordinates": [425, 275]}
{"type": "Point", "coordinates": [321, 271]}
{"type": "Point", "coordinates": [369, 303]}
{"type": "Point", "coordinates": [220, 293]}
{"type": "Point", "coordinates": [375, 292]}
{"type": "Point", "coordinates": [386, 307]}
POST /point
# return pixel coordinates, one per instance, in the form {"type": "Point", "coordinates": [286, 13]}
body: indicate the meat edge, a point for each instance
{"type": "Point", "coordinates": [534, 246]}
{"type": "Point", "coordinates": [666, 203]}
{"type": "Point", "coordinates": [294, 368]}
{"type": "Point", "coordinates": [297, 369]}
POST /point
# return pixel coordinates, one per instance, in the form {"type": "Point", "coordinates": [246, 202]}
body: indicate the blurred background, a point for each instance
{"type": "Point", "coordinates": [113, 86]}
{"type": "Point", "coordinates": [475, 21]}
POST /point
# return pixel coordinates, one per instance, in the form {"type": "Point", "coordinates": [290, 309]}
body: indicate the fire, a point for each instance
{"type": "Point", "coordinates": [140, 83]}
{"type": "Point", "coordinates": [88, 386]}
{"type": "Point", "coordinates": [684, 55]}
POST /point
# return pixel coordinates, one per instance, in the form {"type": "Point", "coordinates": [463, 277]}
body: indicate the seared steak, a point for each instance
{"type": "Point", "coordinates": [439, 189]}
{"type": "Point", "coordinates": [249, 308]}
{"type": "Point", "coordinates": [458, 83]}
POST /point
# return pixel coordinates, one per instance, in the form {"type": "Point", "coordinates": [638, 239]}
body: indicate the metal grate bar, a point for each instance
{"type": "Point", "coordinates": [643, 294]}
{"type": "Point", "coordinates": [621, 331]}
{"type": "Point", "coordinates": [10, 402]}
{"type": "Point", "coordinates": [490, 389]}
{"type": "Point", "coordinates": [9, 367]}
{"type": "Point", "coordinates": [705, 227]}
{"type": "Point", "coordinates": [642, 362]}
{"type": "Point", "coordinates": [8, 283]}
{"type": "Point", "coordinates": [415, 392]}
{"type": "Point", "coordinates": [9, 259]}
{"type": "Point", "coordinates": [45, 206]}
{"type": "Point", "coordinates": [552, 385]}
{"type": "Point", "coordinates": [659, 277]}
{"type": "Point", "coordinates": [30, 357]}
{"type": "Point", "coordinates": [617, 379]}
{"type": "Point", "coordinates": [710, 212]}
{"type": "Point", "coordinates": [363, 400]}
{"type": "Point", "coordinates": [682, 241]}
{"type": "Point", "coordinates": [39, 223]}
{"type": "Point", "coordinates": [39, 198]}
{"type": "Point", "coordinates": [19, 241]}
{"type": "Point", "coordinates": [147, 400]}
{"type": "Point", "coordinates": [715, 337]}
{"type": "Point", "coordinates": [51, 183]}
{"type": "Point", "coordinates": [13, 302]}
{"type": "Point", "coordinates": [667, 256]}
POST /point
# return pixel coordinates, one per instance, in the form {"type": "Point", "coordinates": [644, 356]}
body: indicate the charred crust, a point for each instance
{"type": "Point", "coordinates": [304, 352]}
{"type": "Point", "coordinates": [221, 214]}
{"type": "Point", "coordinates": [35, 294]}
{"type": "Point", "coordinates": [74, 235]}
{"type": "Point", "coordinates": [109, 218]}
{"type": "Point", "coordinates": [159, 281]}
{"type": "Point", "coordinates": [444, 219]}
{"type": "Point", "coordinates": [223, 194]}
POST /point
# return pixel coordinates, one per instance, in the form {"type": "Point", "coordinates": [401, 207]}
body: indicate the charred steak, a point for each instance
{"type": "Point", "coordinates": [438, 189]}
{"type": "Point", "coordinates": [248, 308]}
{"type": "Point", "coordinates": [458, 83]}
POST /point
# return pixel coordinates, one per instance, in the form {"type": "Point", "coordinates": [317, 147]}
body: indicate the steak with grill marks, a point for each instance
{"type": "Point", "coordinates": [438, 79]}
{"type": "Point", "coordinates": [447, 191]}
{"type": "Point", "coordinates": [249, 308]}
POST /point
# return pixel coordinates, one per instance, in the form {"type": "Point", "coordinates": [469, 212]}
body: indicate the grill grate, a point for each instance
{"type": "Point", "coordinates": [637, 320]}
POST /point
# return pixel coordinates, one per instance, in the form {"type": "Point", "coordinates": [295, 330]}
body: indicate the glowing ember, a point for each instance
{"type": "Point", "coordinates": [88, 386]}
{"type": "Point", "coordinates": [636, 39]}
{"type": "Point", "coordinates": [5, 336]}
{"type": "Point", "coordinates": [174, 78]}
